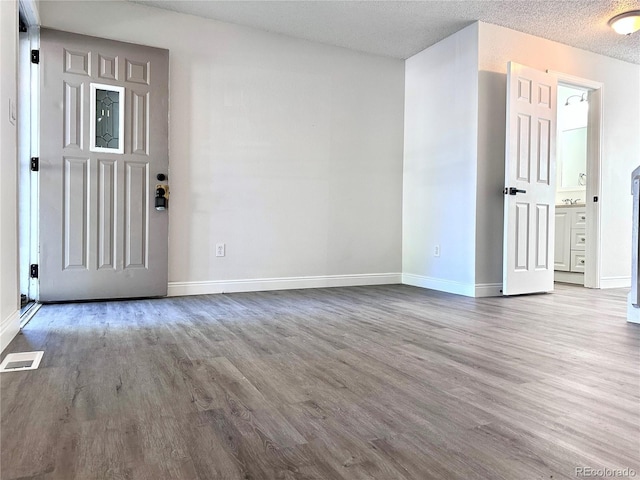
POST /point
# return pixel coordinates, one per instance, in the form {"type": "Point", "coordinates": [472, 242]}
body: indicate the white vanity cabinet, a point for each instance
{"type": "Point", "coordinates": [570, 238]}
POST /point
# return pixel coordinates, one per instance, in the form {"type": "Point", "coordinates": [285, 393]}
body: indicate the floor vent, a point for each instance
{"type": "Point", "coordinates": [19, 362]}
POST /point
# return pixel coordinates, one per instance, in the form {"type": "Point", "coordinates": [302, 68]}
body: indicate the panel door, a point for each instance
{"type": "Point", "coordinates": [103, 141]}
{"type": "Point", "coordinates": [530, 170]}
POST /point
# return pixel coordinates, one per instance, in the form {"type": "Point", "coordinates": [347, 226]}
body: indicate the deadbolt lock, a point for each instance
{"type": "Point", "coordinates": [165, 191]}
{"type": "Point", "coordinates": [162, 196]}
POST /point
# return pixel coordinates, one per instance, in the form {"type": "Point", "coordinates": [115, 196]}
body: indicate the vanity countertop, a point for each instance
{"type": "Point", "coordinates": [564, 205]}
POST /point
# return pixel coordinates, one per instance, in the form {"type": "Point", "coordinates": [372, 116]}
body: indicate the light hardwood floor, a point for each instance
{"type": "Point", "coordinates": [389, 382]}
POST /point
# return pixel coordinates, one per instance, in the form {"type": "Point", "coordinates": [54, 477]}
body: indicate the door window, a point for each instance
{"type": "Point", "coordinates": [107, 118]}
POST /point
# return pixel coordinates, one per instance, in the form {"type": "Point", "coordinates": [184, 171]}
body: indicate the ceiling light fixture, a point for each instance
{"type": "Point", "coordinates": [626, 23]}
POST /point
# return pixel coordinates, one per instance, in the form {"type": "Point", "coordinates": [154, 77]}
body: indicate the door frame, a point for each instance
{"type": "Point", "coordinates": [28, 140]}
{"type": "Point", "coordinates": [594, 170]}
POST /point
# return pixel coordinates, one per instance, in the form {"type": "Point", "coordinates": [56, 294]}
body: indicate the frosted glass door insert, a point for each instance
{"type": "Point", "coordinates": [107, 118]}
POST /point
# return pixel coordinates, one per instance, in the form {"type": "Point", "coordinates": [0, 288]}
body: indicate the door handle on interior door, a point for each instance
{"type": "Point", "coordinates": [513, 191]}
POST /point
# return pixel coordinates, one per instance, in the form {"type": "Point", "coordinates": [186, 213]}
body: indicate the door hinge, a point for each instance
{"type": "Point", "coordinates": [595, 199]}
{"type": "Point", "coordinates": [33, 270]}
{"type": "Point", "coordinates": [35, 164]}
{"type": "Point", "coordinates": [35, 56]}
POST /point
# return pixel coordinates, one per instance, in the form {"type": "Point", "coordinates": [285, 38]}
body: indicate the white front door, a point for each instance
{"type": "Point", "coordinates": [103, 143]}
{"type": "Point", "coordinates": [530, 169]}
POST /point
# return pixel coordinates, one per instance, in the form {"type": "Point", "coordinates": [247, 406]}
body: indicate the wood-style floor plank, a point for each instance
{"type": "Point", "coordinates": [385, 382]}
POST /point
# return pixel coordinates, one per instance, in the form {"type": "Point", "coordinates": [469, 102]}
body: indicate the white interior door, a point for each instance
{"type": "Point", "coordinates": [103, 142]}
{"type": "Point", "coordinates": [530, 170]}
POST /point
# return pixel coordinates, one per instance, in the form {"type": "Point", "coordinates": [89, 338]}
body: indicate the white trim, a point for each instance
{"type": "Point", "coordinates": [593, 188]}
{"type": "Point", "coordinates": [34, 134]}
{"type": "Point", "coordinates": [633, 313]}
{"type": "Point", "coordinates": [284, 283]}
{"type": "Point", "coordinates": [29, 11]}
{"type": "Point", "coordinates": [488, 290]}
{"type": "Point", "coordinates": [440, 284]}
{"type": "Point", "coordinates": [594, 169]}
{"type": "Point", "coordinates": [615, 282]}
{"type": "Point", "coordinates": [9, 328]}
{"type": "Point", "coordinates": [576, 278]}
{"type": "Point", "coordinates": [92, 118]}
{"type": "Point", "coordinates": [576, 81]}
{"type": "Point", "coordinates": [29, 314]}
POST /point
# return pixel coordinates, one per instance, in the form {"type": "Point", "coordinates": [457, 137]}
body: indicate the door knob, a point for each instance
{"type": "Point", "coordinates": [513, 191]}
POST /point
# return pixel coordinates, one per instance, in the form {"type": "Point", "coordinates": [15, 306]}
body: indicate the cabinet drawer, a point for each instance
{"type": "Point", "coordinates": [578, 238]}
{"type": "Point", "coordinates": [579, 218]}
{"type": "Point", "coordinates": [578, 261]}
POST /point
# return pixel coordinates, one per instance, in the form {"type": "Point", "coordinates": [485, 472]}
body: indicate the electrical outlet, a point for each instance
{"type": "Point", "coordinates": [436, 251]}
{"type": "Point", "coordinates": [220, 248]}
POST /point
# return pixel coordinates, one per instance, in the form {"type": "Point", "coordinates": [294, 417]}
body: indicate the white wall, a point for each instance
{"type": "Point", "coordinates": [620, 148]}
{"type": "Point", "coordinates": [9, 289]}
{"type": "Point", "coordinates": [440, 160]}
{"type": "Point", "coordinates": [288, 151]}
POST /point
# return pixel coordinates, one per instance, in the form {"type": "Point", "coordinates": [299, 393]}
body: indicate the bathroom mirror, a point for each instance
{"type": "Point", "coordinates": [572, 159]}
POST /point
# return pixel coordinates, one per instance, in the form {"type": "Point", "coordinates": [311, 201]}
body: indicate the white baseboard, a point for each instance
{"type": "Point", "coordinates": [615, 282]}
{"type": "Point", "coordinates": [633, 313]}
{"type": "Point", "coordinates": [9, 328]}
{"type": "Point", "coordinates": [449, 286]}
{"type": "Point", "coordinates": [488, 290]}
{"type": "Point", "coordinates": [575, 278]}
{"type": "Point", "coordinates": [286, 283]}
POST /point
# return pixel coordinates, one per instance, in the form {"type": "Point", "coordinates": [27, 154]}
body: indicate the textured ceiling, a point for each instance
{"type": "Point", "coordinates": [402, 28]}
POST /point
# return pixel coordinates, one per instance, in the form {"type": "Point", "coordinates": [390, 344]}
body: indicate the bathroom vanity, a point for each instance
{"type": "Point", "coordinates": [570, 242]}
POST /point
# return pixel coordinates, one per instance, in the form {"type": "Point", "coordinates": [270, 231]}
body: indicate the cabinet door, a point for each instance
{"type": "Point", "coordinates": [562, 261]}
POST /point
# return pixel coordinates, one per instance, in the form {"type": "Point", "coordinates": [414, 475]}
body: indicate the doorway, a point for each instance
{"type": "Point", "coordinates": [92, 224]}
{"type": "Point", "coordinates": [28, 40]}
{"type": "Point", "coordinates": [577, 217]}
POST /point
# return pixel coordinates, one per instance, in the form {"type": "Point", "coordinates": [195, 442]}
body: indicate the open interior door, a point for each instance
{"type": "Point", "coordinates": [530, 170]}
